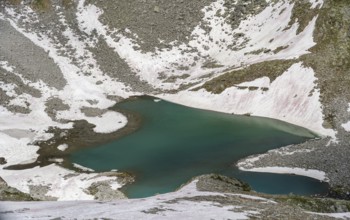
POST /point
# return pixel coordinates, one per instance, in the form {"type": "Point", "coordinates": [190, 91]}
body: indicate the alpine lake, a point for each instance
{"type": "Point", "coordinates": [175, 143]}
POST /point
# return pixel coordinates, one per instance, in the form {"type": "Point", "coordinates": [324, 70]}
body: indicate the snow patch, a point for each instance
{"type": "Point", "coordinates": [56, 160]}
{"type": "Point", "coordinates": [346, 126]}
{"type": "Point", "coordinates": [17, 151]}
{"type": "Point", "coordinates": [255, 198]}
{"type": "Point", "coordinates": [9, 89]}
{"type": "Point", "coordinates": [88, 17]}
{"type": "Point", "coordinates": [115, 186]}
{"type": "Point", "coordinates": [316, 174]}
{"type": "Point", "coordinates": [343, 215]}
{"type": "Point", "coordinates": [62, 184]}
{"type": "Point", "coordinates": [316, 3]}
{"type": "Point", "coordinates": [263, 82]}
{"type": "Point", "coordinates": [83, 168]}
{"type": "Point", "coordinates": [106, 123]}
{"type": "Point", "coordinates": [62, 147]}
{"type": "Point", "coordinates": [5, 65]}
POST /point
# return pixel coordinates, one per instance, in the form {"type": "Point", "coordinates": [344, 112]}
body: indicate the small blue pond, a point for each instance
{"type": "Point", "coordinates": [176, 143]}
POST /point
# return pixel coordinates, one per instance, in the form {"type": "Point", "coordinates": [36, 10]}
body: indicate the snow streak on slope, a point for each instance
{"type": "Point", "coordinates": [343, 215]}
{"type": "Point", "coordinates": [222, 45]}
{"type": "Point", "coordinates": [291, 97]}
{"type": "Point", "coordinates": [316, 3]}
{"type": "Point", "coordinates": [316, 174]}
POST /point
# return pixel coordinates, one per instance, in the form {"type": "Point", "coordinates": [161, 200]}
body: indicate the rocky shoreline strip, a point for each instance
{"type": "Point", "coordinates": [204, 197]}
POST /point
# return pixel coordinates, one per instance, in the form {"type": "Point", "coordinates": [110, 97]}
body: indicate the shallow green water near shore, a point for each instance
{"type": "Point", "coordinates": [176, 143]}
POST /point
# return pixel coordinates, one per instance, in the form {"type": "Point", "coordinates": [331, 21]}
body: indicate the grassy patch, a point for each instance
{"type": "Point", "coordinates": [323, 205]}
{"type": "Point", "coordinates": [67, 3]}
{"type": "Point", "coordinates": [302, 14]}
{"type": "Point", "coordinates": [14, 2]}
{"type": "Point", "coordinates": [271, 69]}
{"type": "Point", "coordinates": [41, 5]}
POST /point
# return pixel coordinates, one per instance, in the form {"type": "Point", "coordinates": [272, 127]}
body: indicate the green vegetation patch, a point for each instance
{"type": "Point", "coordinates": [41, 5]}
{"type": "Point", "coordinates": [302, 14]}
{"type": "Point", "coordinates": [323, 205]}
{"type": "Point", "coordinates": [14, 2]}
{"type": "Point", "coordinates": [271, 69]}
{"type": "Point", "coordinates": [67, 3]}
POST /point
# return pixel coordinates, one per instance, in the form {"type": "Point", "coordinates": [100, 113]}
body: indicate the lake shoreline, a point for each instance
{"type": "Point", "coordinates": [149, 105]}
{"type": "Point", "coordinates": [83, 137]}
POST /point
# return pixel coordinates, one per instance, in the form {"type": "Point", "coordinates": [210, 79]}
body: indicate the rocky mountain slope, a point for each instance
{"type": "Point", "coordinates": [65, 63]}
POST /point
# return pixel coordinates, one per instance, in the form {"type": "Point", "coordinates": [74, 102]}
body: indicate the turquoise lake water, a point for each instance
{"type": "Point", "coordinates": [176, 143]}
